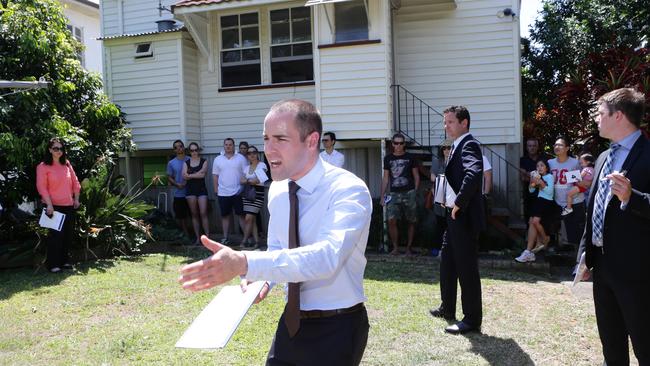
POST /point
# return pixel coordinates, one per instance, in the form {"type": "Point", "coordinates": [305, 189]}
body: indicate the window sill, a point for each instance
{"type": "Point", "coordinates": [350, 43]}
{"type": "Point", "coordinates": [269, 86]}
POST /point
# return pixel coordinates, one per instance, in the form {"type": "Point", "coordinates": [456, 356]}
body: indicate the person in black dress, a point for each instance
{"type": "Point", "coordinates": [197, 195]}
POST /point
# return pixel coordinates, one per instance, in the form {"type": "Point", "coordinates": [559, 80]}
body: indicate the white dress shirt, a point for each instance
{"type": "Point", "coordinates": [335, 158]}
{"type": "Point", "coordinates": [334, 209]}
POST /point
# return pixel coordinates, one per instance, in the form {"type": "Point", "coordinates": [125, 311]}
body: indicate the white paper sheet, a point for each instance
{"type": "Point", "coordinates": [55, 222]}
{"type": "Point", "coordinates": [573, 176]}
{"type": "Point", "coordinates": [580, 270]}
{"type": "Point", "coordinates": [218, 321]}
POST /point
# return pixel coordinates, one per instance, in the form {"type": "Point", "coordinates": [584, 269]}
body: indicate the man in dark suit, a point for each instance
{"type": "Point", "coordinates": [465, 219]}
{"type": "Point", "coordinates": [616, 238]}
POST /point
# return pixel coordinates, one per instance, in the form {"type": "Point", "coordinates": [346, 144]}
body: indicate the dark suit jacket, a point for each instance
{"type": "Point", "coordinates": [464, 173]}
{"type": "Point", "coordinates": [626, 234]}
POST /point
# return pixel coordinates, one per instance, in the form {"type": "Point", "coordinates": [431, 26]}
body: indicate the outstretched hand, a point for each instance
{"type": "Point", "coordinates": [221, 267]}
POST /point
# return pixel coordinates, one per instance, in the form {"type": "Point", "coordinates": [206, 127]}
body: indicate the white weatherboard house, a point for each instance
{"type": "Point", "coordinates": [84, 24]}
{"type": "Point", "coordinates": [372, 67]}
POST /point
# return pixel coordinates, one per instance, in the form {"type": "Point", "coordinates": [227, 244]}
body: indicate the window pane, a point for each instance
{"type": "Point", "coordinates": [250, 37]}
{"type": "Point", "coordinates": [351, 21]}
{"type": "Point", "coordinates": [301, 30]}
{"type": "Point", "coordinates": [230, 56]}
{"type": "Point", "coordinates": [247, 19]}
{"type": "Point", "coordinates": [291, 71]}
{"type": "Point", "coordinates": [251, 54]}
{"type": "Point", "coordinates": [230, 38]}
{"type": "Point", "coordinates": [229, 21]}
{"type": "Point", "coordinates": [240, 75]}
{"type": "Point", "coordinates": [280, 33]}
{"type": "Point", "coordinates": [280, 15]}
{"type": "Point", "coordinates": [302, 49]}
{"type": "Point", "coordinates": [300, 13]}
{"type": "Point", "coordinates": [280, 51]}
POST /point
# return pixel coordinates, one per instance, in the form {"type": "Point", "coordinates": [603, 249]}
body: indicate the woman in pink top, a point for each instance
{"type": "Point", "coordinates": [59, 188]}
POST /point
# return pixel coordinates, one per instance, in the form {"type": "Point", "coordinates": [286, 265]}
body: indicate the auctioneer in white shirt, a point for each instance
{"type": "Point", "coordinates": [335, 209]}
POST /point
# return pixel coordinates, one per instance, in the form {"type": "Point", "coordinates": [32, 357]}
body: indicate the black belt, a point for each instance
{"type": "Point", "coordinates": [314, 314]}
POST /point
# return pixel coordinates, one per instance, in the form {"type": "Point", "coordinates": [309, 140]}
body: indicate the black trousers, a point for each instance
{"type": "Point", "coordinates": [459, 264]}
{"type": "Point", "coordinates": [336, 340]}
{"type": "Point", "coordinates": [58, 242]}
{"type": "Point", "coordinates": [622, 310]}
{"type": "Point", "coordinates": [575, 223]}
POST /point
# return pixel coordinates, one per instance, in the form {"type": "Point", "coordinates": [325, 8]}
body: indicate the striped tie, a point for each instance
{"type": "Point", "coordinates": [598, 217]}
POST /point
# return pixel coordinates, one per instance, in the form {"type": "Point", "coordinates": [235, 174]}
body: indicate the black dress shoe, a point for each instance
{"type": "Point", "coordinates": [461, 328]}
{"type": "Point", "coordinates": [438, 313]}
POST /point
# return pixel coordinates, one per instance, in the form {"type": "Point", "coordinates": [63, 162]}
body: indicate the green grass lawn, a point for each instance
{"type": "Point", "coordinates": [132, 311]}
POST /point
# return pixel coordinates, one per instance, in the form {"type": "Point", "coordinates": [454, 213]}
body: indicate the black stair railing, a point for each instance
{"type": "Point", "coordinates": [414, 118]}
{"type": "Point", "coordinates": [506, 183]}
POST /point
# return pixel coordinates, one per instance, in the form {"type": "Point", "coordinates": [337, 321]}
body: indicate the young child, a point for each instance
{"type": "Point", "coordinates": [542, 208]}
{"type": "Point", "coordinates": [587, 174]}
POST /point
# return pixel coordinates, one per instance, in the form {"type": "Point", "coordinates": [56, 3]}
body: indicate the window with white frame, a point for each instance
{"type": "Point", "coordinates": [240, 50]}
{"type": "Point", "coordinates": [351, 21]}
{"type": "Point", "coordinates": [78, 34]}
{"type": "Point", "coordinates": [291, 45]}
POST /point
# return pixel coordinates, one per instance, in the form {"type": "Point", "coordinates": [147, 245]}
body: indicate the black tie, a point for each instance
{"type": "Point", "coordinates": [292, 309]}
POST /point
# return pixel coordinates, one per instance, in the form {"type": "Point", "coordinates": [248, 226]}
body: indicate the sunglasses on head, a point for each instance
{"type": "Point", "coordinates": [398, 142]}
{"type": "Point", "coordinates": [56, 148]}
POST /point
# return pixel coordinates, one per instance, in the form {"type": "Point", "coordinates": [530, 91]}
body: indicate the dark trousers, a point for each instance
{"type": "Point", "coordinates": [335, 340]}
{"type": "Point", "coordinates": [459, 263]}
{"type": "Point", "coordinates": [575, 223]}
{"type": "Point", "coordinates": [622, 310]}
{"type": "Point", "coordinates": [58, 242]}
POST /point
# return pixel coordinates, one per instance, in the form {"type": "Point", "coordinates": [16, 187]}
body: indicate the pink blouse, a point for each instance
{"type": "Point", "coordinates": [58, 182]}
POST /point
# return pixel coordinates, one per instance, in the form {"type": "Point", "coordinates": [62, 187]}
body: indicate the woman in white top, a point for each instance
{"type": "Point", "coordinates": [254, 176]}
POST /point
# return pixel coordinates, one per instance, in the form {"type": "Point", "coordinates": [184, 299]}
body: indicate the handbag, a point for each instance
{"type": "Point", "coordinates": [249, 192]}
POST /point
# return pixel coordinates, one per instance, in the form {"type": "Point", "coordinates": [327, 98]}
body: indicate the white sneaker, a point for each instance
{"type": "Point", "coordinates": [566, 211]}
{"type": "Point", "coordinates": [526, 256]}
{"type": "Point", "coordinates": [55, 269]}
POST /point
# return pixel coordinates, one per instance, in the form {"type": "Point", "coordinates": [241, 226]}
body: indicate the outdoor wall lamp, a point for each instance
{"type": "Point", "coordinates": [507, 12]}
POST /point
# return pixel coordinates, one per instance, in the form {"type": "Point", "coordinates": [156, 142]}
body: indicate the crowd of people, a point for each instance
{"type": "Point", "coordinates": [320, 220]}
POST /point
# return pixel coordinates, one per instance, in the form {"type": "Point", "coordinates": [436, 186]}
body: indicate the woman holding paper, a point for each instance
{"type": "Point", "coordinates": [254, 176]}
{"type": "Point", "coordinates": [59, 188]}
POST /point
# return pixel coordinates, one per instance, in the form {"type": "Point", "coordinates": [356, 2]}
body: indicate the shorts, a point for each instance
{"type": "Point", "coordinates": [181, 209]}
{"type": "Point", "coordinates": [582, 189]}
{"type": "Point", "coordinates": [228, 204]}
{"type": "Point", "coordinates": [402, 204]}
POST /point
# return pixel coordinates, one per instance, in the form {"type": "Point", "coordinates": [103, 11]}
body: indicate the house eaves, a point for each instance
{"type": "Point", "coordinates": [119, 36]}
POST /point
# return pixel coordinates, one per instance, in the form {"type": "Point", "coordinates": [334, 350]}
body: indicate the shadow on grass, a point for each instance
{"type": "Point", "coordinates": [427, 271]}
{"type": "Point", "coordinates": [493, 349]}
{"type": "Point", "coordinates": [29, 279]}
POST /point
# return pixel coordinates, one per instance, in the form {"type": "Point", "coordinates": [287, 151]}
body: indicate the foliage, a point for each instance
{"type": "Point", "coordinates": [570, 40]}
{"type": "Point", "coordinates": [34, 43]}
{"type": "Point", "coordinates": [108, 219]}
{"type": "Point", "coordinates": [571, 111]}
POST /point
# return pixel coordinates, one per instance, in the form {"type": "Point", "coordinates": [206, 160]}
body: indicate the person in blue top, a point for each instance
{"type": "Point", "coordinates": [176, 180]}
{"type": "Point", "coordinates": [541, 180]}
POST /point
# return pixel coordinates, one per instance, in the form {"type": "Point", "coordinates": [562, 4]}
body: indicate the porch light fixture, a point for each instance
{"type": "Point", "coordinates": [507, 12]}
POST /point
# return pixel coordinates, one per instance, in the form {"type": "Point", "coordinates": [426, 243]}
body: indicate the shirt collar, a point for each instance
{"type": "Point", "coordinates": [310, 180]}
{"type": "Point", "coordinates": [459, 139]}
{"type": "Point", "coordinates": [628, 141]}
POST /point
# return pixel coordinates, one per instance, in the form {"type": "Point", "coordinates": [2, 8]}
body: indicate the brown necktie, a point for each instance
{"type": "Point", "coordinates": [292, 309]}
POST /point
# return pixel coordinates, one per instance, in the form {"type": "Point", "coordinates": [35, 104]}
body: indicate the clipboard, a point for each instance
{"type": "Point", "coordinates": [216, 324]}
{"type": "Point", "coordinates": [55, 222]}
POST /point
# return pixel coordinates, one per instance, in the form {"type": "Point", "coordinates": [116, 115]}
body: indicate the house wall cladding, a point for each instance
{"type": "Point", "coordinates": [354, 92]}
{"type": "Point", "coordinates": [132, 16]}
{"type": "Point", "coordinates": [192, 110]}
{"type": "Point", "coordinates": [463, 56]}
{"type": "Point", "coordinates": [148, 90]}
